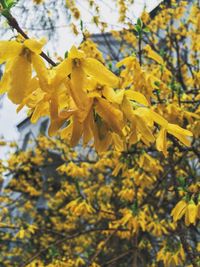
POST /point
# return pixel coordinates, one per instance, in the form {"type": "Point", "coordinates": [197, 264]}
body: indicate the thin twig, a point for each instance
{"type": "Point", "coordinates": [117, 258]}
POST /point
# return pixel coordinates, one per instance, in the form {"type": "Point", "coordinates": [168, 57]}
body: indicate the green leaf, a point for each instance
{"type": "Point", "coordinates": [10, 3]}
{"type": "Point", "coordinates": [146, 30]}
{"type": "Point", "coordinates": [181, 181]}
{"type": "Point", "coordinates": [81, 24]}
{"type": "Point", "coordinates": [134, 208]}
{"type": "Point", "coordinates": [157, 83]}
{"type": "Point", "coordinates": [53, 251]}
{"type": "Point", "coordinates": [139, 23]}
{"type": "Point", "coordinates": [3, 4]}
{"type": "Point", "coordinates": [162, 52]}
{"type": "Point", "coordinates": [138, 29]}
{"type": "Point", "coordinates": [66, 54]}
{"type": "Point", "coordinates": [110, 66]}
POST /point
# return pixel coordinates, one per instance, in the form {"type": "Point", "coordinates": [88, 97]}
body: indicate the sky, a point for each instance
{"type": "Point", "coordinates": [8, 117]}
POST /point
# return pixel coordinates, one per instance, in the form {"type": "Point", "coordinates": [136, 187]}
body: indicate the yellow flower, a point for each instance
{"type": "Point", "coordinates": [79, 262]}
{"type": "Point", "coordinates": [191, 213]}
{"type": "Point", "coordinates": [179, 210]}
{"type": "Point", "coordinates": [78, 207]}
{"type": "Point", "coordinates": [161, 141]}
{"type": "Point", "coordinates": [70, 4]}
{"type": "Point", "coordinates": [87, 76]}
{"type": "Point", "coordinates": [21, 234]}
{"type": "Point", "coordinates": [18, 69]}
{"type": "Point", "coordinates": [38, 1]}
{"type": "Point", "coordinates": [189, 209]}
{"type": "Point", "coordinates": [180, 133]}
{"type": "Point", "coordinates": [153, 55]}
{"type": "Point", "coordinates": [170, 258]}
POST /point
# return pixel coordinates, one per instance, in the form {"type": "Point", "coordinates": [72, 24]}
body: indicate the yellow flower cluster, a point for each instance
{"type": "Point", "coordinates": [122, 10]}
{"type": "Point", "coordinates": [72, 7]}
{"type": "Point", "coordinates": [82, 93]}
{"type": "Point", "coordinates": [171, 258]}
{"type": "Point", "coordinates": [190, 210]}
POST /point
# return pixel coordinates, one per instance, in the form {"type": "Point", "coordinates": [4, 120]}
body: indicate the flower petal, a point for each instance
{"type": "Point", "coordinates": [144, 129]}
{"type": "Point", "coordinates": [111, 115]}
{"type": "Point", "coordinates": [42, 72]}
{"type": "Point", "coordinates": [161, 141]}
{"type": "Point", "coordinates": [76, 53]}
{"type": "Point", "coordinates": [97, 70]}
{"type": "Point", "coordinates": [153, 55]}
{"type": "Point", "coordinates": [62, 71]}
{"type": "Point", "coordinates": [9, 49]}
{"type": "Point", "coordinates": [20, 77]}
{"type": "Point", "coordinates": [34, 45]}
{"type": "Point", "coordinates": [112, 96]}
{"type": "Point", "coordinates": [180, 133]}
{"type": "Point", "coordinates": [136, 96]}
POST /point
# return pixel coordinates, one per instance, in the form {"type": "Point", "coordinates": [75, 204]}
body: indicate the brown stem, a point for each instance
{"type": "Point", "coordinates": [140, 50]}
{"type": "Point", "coordinates": [108, 263]}
{"type": "Point", "coordinates": [179, 64]}
{"type": "Point", "coordinates": [135, 252]}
